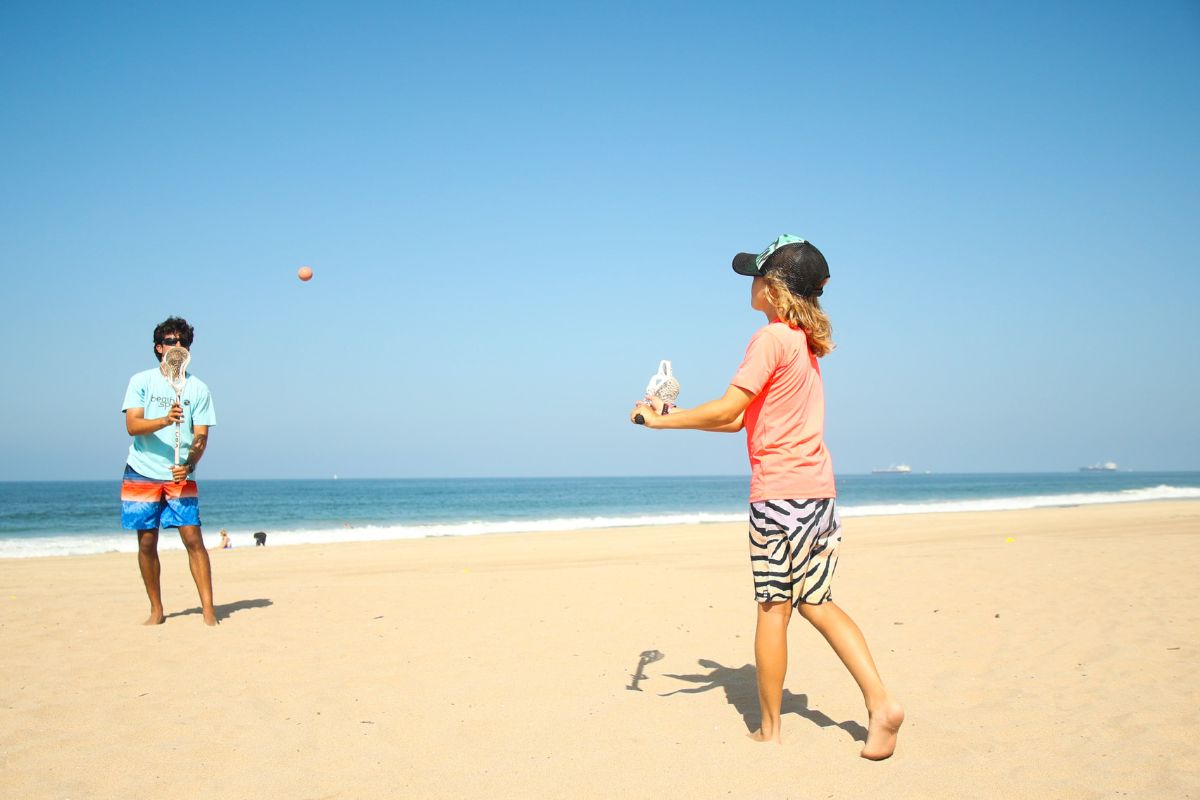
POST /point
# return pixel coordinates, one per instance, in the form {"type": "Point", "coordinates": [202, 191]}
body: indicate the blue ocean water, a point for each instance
{"type": "Point", "coordinates": [67, 518]}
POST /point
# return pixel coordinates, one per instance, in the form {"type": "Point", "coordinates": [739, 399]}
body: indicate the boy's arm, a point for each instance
{"type": "Point", "coordinates": [136, 423]}
{"type": "Point", "coordinates": [195, 453]}
{"type": "Point", "coordinates": [726, 414]}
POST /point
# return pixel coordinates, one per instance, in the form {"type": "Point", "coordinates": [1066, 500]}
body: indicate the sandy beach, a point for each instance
{"type": "Point", "coordinates": [1061, 664]}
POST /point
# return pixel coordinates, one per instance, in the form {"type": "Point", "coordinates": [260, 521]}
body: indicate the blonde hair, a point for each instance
{"type": "Point", "coordinates": [801, 312]}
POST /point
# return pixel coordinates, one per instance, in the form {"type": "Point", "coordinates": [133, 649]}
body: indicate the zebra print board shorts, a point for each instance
{"type": "Point", "coordinates": [794, 550]}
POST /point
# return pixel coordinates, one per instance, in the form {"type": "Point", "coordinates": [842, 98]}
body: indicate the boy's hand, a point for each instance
{"type": "Point", "coordinates": [180, 472]}
{"type": "Point", "coordinates": [174, 415]}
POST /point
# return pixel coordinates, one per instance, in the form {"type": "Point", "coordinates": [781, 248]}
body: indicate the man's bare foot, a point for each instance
{"type": "Point", "coordinates": [883, 725]}
{"type": "Point", "coordinates": [155, 618]}
{"type": "Point", "coordinates": [759, 736]}
{"type": "Point", "coordinates": [210, 617]}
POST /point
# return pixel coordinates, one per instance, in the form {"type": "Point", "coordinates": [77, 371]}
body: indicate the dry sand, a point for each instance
{"type": "Point", "coordinates": [1062, 664]}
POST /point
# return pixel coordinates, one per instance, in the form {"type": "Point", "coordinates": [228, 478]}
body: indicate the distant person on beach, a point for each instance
{"type": "Point", "coordinates": [225, 543]}
{"type": "Point", "coordinates": [777, 396]}
{"type": "Point", "coordinates": [155, 492]}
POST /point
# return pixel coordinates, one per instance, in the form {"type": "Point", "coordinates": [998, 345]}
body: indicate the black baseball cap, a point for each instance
{"type": "Point", "coordinates": [803, 267]}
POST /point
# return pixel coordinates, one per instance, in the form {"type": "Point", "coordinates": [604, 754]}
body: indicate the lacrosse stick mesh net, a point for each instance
{"type": "Point", "coordinates": [174, 367]}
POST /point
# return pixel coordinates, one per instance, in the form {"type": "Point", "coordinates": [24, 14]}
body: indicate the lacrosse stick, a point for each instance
{"type": "Point", "coordinates": [174, 368]}
{"type": "Point", "coordinates": [663, 386]}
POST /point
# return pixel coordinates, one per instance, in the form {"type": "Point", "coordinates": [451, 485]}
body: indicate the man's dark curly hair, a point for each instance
{"type": "Point", "coordinates": [173, 325]}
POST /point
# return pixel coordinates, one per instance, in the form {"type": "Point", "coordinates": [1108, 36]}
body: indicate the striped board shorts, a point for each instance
{"type": "Point", "coordinates": [148, 503]}
{"type": "Point", "coordinates": [794, 550]}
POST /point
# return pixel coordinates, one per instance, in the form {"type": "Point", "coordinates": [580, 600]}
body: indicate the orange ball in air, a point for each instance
{"type": "Point", "coordinates": [304, 273]}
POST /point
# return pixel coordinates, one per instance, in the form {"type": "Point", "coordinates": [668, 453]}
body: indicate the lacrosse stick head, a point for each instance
{"type": "Point", "coordinates": [174, 366]}
{"type": "Point", "coordinates": [663, 384]}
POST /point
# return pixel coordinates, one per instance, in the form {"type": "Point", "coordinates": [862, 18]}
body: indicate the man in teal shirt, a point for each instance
{"type": "Point", "coordinates": [156, 492]}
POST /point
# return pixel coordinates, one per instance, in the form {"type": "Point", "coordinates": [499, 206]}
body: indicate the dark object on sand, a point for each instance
{"type": "Point", "coordinates": [260, 539]}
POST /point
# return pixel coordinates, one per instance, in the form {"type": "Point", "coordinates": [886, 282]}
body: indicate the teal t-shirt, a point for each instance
{"type": "Point", "coordinates": [153, 455]}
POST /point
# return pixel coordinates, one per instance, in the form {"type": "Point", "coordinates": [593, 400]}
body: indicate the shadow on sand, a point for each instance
{"type": "Point", "coordinates": [741, 691]}
{"type": "Point", "coordinates": [225, 610]}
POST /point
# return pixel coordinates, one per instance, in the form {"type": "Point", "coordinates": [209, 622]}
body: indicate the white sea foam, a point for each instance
{"type": "Point", "coordinates": [168, 540]}
{"type": "Point", "coordinates": [127, 542]}
{"type": "Point", "coordinates": [1027, 501]}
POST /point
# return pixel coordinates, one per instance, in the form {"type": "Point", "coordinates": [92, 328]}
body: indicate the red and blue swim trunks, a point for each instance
{"type": "Point", "coordinates": [148, 503]}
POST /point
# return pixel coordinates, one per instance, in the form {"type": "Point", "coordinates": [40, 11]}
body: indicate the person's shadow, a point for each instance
{"type": "Point", "coordinates": [226, 610]}
{"type": "Point", "coordinates": [741, 691]}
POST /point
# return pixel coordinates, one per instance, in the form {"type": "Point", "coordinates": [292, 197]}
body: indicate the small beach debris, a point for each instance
{"type": "Point", "coordinates": [1009, 540]}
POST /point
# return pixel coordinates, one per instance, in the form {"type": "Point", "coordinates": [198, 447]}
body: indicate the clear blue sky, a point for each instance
{"type": "Point", "coordinates": [515, 210]}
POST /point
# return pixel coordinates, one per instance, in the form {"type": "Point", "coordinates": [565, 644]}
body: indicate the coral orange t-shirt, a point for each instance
{"type": "Point", "coordinates": [785, 422]}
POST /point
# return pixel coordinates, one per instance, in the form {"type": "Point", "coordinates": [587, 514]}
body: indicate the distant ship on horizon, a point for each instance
{"type": "Point", "coordinates": [1107, 466]}
{"type": "Point", "coordinates": [895, 469]}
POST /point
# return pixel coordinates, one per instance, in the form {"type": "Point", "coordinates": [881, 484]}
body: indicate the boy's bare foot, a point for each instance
{"type": "Point", "coordinates": [210, 617]}
{"type": "Point", "coordinates": [155, 618]}
{"type": "Point", "coordinates": [759, 736]}
{"type": "Point", "coordinates": [882, 726]}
